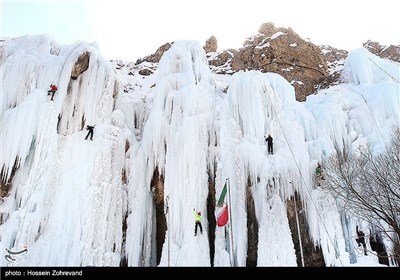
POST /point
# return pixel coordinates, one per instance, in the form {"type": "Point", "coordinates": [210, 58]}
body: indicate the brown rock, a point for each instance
{"type": "Point", "coordinates": [268, 29]}
{"type": "Point", "coordinates": [312, 254]}
{"type": "Point", "coordinates": [81, 65]}
{"type": "Point", "coordinates": [145, 72]}
{"type": "Point", "coordinates": [211, 45]}
{"type": "Point", "coordinates": [220, 63]}
{"type": "Point", "coordinates": [335, 61]}
{"type": "Point", "coordinates": [391, 52]}
{"type": "Point", "coordinates": [155, 58]}
{"type": "Point", "coordinates": [6, 185]}
{"type": "Point", "coordinates": [282, 51]}
{"type": "Point", "coordinates": [222, 58]}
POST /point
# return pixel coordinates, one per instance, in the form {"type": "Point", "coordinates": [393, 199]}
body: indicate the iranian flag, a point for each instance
{"type": "Point", "coordinates": [222, 217]}
{"type": "Point", "coordinates": [222, 196]}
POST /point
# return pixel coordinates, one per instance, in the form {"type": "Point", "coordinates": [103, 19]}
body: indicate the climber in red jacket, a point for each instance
{"type": "Point", "coordinates": [53, 89]}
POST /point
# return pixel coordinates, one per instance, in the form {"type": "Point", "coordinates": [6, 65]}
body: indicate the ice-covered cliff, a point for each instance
{"type": "Point", "coordinates": [168, 143]}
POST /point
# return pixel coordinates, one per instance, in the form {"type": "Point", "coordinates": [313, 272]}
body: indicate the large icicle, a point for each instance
{"type": "Point", "coordinates": [66, 204]}
{"type": "Point", "coordinates": [176, 141]}
{"type": "Point", "coordinates": [258, 104]}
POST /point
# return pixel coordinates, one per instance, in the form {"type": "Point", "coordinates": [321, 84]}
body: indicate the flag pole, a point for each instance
{"type": "Point", "coordinates": [169, 232]}
{"type": "Point", "coordinates": [230, 220]}
{"type": "Point", "coordinates": [298, 230]}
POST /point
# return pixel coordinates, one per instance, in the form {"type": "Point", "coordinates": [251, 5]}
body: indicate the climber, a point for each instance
{"type": "Point", "coordinates": [269, 143]}
{"type": "Point", "coordinates": [197, 218]}
{"type": "Point", "coordinates": [319, 173]}
{"type": "Point", "coordinates": [52, 90]}
{"type": "Point", "coordinates": [361, 240]}
{"type": "Point", "coordinates": [90, 132]}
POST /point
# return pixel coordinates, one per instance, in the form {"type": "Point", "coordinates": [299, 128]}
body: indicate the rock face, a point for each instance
{"type": "Point", "coordinates": [6, 185]}
{"type": "Point", "coordinates": [145, 72]}
{"type": "Point", "coordinates": [211, 45]}
{"type": "Point", "coordinates": [221, 63]}
{"type": "Point", "coordinates": [155, 58]}
{"type": "Point", "coordinates": [312, 254]}
{"type": "Point", "coordinates": [391, 52]}
{"type": "Point", "coordinates": [279, 50]}
{"type": "Point", "coordinates": [81, 65]}
{"type": "Point", "coordinates": [282, 51]}
{"type": "Point", "coordinates": [334, 59]}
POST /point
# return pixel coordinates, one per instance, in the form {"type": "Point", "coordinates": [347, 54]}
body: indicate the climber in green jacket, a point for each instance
{"type": "Point", "coordinates": [319, 173]}
{"type": "Point", "coordinates": [197, 217]}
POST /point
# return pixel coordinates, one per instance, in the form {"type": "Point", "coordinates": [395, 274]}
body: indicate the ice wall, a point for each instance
{"type": "Point", "coordinates": [70, 197]}
{"type": "Point", "coordinates": [67, 200]}
{"type": "Point", "coordinates": [176, 141]}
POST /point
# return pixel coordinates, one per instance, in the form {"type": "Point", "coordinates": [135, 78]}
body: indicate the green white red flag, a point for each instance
{"type": "Point", "coordinates": [222, 196]}
{"type": "Point", "coordinates": [222, 217]}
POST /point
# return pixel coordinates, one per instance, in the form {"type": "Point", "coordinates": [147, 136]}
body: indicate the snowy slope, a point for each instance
{"type": "Point", "coordinates": [192, 131]}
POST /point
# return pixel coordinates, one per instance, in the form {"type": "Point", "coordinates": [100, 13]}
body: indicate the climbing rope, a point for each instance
{"type": "Point", "coordinates": [383, 70]}
{"type": "Point", "coordinates": [195, 189]}
{"type": "Point", "coordinates": [302, 178]}
{"type": "Point", "coordinates": [298, 231]}
{"type": "Point", "coordinates": [65, 61]}
{"type": "Point", "coordinates": [323, 132]}
{"type": "Point", "coordinates": [370, 112]}
{"type": "Point", "coordinates": [187, 218]}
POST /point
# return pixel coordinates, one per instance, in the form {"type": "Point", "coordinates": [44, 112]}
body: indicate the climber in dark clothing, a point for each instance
{"type": "Point", "coordinates": [90, 132]}
{"type": "Point", "coordinates": [319, 173]}
{"type": "Point", "coordinates": [361, 240]}
{"type": "Point", "coordinates": [269, 144]}
{"type": "Point", "coordinates": [52, 90]}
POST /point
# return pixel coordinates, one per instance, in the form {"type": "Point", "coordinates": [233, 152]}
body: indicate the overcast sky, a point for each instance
{"type": "Point", "coordinates": [129, 29]}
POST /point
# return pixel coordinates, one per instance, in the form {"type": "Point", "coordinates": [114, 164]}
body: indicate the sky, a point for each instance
{"type": "Point", "coordinates": [128, 30]}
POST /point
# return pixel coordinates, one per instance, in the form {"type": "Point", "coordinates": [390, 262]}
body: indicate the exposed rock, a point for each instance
{"type": "Point", "coordinates": [391, 52]}
{"type": "Point", "coordinates": [333, 55]}
{"type": "Point", "coordinates": [312, 254]}
{"type": "Point", "coordinates": [335, 61]}
{"type": "Point", "coordinates": [5, 188]}
{"type": "Point", "coordinates": [81, 65]}
{"type": "Point", "coordinates": [157, 187]}
{"type": "Point", "coordinates": [220, 63]}
{"type": "Point", "coordinates": [6, 185]}
{"type": "Point", "coordinates": [155, 58]}
{"type": "Point", "coordinates": [145, 72]}
{"type": "Point", "coordinates": [211, 45]}
{"type": "Point", "coordinates": [212, 224]}
{"type": "Point", "coordinates": [252, 228]}
{"type": "Point", "coordinates": [221, 58]}
{"type": "Point", "coordinates": [282, 51]}
{"type": "Point", "coordinates": [276, 49]}
{"type": "Point", "coordinates": [269, 29]}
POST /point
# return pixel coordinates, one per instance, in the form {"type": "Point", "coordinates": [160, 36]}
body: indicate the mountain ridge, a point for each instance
{"type": "Point", "coordinates": [306, 66]}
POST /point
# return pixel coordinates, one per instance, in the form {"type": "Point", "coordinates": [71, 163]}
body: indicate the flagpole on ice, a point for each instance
{"type": "Point", "coordinates": [223, 217]}
{"type": "Point", "coordinates": [230, 223]}
{"type": "Point", "coordinates": [169, 231]}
